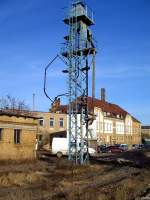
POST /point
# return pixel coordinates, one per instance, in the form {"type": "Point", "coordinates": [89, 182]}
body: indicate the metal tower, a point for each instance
{"type": "Point", "coordinates": [78, 51]}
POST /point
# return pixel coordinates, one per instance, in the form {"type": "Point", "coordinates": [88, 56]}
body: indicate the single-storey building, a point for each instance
{"type": "Point", "coordinates": [17, 135]}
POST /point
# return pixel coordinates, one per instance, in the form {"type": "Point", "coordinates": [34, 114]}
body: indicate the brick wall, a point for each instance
{"type": "Point", "coordinates": [23, 148]}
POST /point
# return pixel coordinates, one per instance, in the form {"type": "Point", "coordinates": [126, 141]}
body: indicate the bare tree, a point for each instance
{"type": "Point", "coordinates": [10, 102]}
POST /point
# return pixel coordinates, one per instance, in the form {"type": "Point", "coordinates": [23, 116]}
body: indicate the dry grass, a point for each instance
{"type": "Point", "coordinates": [61, 180]}
{"type": "Point", "coordinates": [19, 179]}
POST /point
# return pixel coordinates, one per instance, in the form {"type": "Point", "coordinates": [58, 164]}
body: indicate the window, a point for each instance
{"type": "Point", "coordinates": [40, 137]}
{"type": "Point", "coordinates": [61, 122]}
{"type": "Point", "coordinates": [1, 132]}
{"type": "Point", "coordinates": [51, 123]}
{"type": "Point", "coordinates": [107, 126]}
{"type": "Point", "coordinates": [41, 122]}
{"type": "Point", "coordinates": [101, 124]}
{"type": "Point", "coordinates": [117, 127]}
{"type": "Point", "coordinates": [120, 128]}
{"type": "Point", "coordinates": [111, 127]}
{"type": "Point", "coordinates": [17, 136]}
{"type": "Point", "coordinates": [97, 126]}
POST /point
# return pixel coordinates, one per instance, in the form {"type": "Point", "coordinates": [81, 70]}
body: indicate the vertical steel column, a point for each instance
{"type": "Point", "coordinates": [78, 48]}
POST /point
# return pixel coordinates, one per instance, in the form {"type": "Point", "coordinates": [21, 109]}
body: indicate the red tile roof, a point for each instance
{"type": "Point", "coordinates": [107, 107]}
{"type": "Point", "coordinates": [17, 113]}
{"type": "Point", "coordinates": [62, 109]}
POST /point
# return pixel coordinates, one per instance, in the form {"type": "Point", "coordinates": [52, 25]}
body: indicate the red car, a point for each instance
{"type": "Point", "coordinates": [114, 149]}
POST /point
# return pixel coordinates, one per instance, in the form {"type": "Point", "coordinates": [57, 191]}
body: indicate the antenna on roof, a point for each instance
{"type": "Point", "coordinates": [103, 94]}
{"type": "Point", "coordinates": [79, 2]}
{"type": "Point", "coordinates": [33, 101]}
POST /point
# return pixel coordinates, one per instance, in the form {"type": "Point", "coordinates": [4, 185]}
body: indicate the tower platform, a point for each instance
{"type": "Point", "coordinates": [85, 52]}
{"type": "Point", "coordinates": [85, 19]}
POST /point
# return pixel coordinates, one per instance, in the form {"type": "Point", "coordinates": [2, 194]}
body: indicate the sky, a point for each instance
{"type": "Point", "coordinates": [31, 35]}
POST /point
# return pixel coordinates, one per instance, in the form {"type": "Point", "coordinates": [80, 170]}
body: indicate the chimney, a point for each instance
{"type": "Point", "coordinates": [103, 94]}
{"type": "Point", "coordinates": [55, 105]}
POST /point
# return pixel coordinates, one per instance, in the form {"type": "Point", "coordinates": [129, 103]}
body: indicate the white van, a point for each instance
{"type": "Point", "coordinates": [60, 147]}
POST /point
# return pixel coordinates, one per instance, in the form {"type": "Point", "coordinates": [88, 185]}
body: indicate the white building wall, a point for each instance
{"type": "Point", "coordinates": [98, 122]}
{"type": "Point", "coordinates": [105, 125]}
{"type": "Point", "coordinates": [95, 128]}
{"type": "Point", "coordinates": [101, 122]}
{"type": "Point", "coordinates": [92, 128]}
{"type": "Point", "coordinates": [128, 125]}
{"type": "Point", "coordinates": [108, 126]}
{"type": "Point", "coordinates": [120, 127]}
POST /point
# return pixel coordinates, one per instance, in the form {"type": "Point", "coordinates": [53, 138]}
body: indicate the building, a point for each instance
{"type": "Point", "coordinates": [17, 135]}
{"type": "Point", "coordinates": [114, 125]}
{"type": "Point", "coordinates": [145, 132]}
{"type": "Point", "coordinates": [111, 124]}
{"type": "Point", "coordinates": [51, 124]}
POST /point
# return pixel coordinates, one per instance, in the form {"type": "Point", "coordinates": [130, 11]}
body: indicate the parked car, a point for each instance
{"type": "Point", "coordinates": [60, 147]}
{"type": "Point", "coordinates": [101, 149]}
{"type": "Point", "coordinates": [146, 147]}
{"type": "Point", "coordinates": [111, 149]}
{"type": "Point", "coordinates": [141, 146]}
{"type": "Point", "coordinates": [137, 146]}
{"type": "Point", "coordinates": [122, 146]}
{"type": "Point", "coordinates": [114, 149]}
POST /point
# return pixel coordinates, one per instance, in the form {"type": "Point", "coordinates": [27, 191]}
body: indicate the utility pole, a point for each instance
{"type": "Point", "coordinates": [33, 101]}
{"type": "Point", "coordinates": [79, 48]}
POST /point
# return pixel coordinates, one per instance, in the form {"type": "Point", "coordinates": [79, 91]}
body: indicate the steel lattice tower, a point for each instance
{"type": "Point", "coordinates": [78, 51]}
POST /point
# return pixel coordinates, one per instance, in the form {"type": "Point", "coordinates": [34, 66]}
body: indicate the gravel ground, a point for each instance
{"type": "Point", "coordinates": [53, 179]}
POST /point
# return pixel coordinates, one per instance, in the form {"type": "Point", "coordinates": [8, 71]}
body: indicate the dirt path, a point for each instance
{"type": "Point", "coordinates": [54, 179]}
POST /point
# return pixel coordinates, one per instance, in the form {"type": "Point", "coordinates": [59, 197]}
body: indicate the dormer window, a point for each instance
{"type": "Point", "coordinates": [105, 114]}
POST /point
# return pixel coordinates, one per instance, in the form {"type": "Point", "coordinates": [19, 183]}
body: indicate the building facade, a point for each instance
{"type": "Point", "coordinates": [145, 132]}
{"type": "Point", "coordinates": [111, 124]}
{"type": "Point", "coordinates": [50, 124]}
{"type": "Point", "coordinates": [116, 130]}
{"type": "Point", "coordinates": [17, 136]}
{"type": "Point", "coordinates": [114, 125]}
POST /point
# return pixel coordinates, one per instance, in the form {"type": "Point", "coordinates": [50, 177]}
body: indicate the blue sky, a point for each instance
{"type": "Point", "coordinates": [31, 33]}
